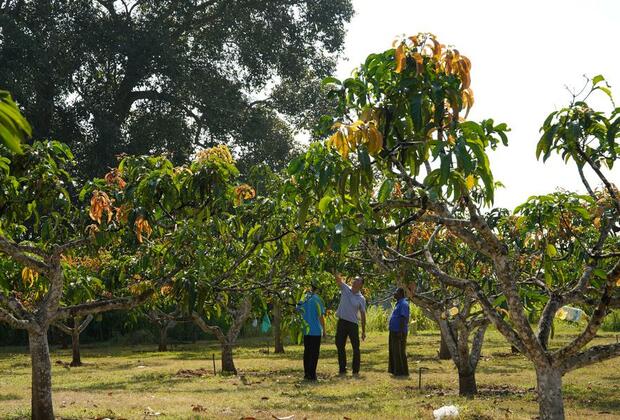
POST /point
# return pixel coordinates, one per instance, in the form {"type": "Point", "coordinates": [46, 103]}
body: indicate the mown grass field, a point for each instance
{"type": "Point", "coordinates": [135, 383]}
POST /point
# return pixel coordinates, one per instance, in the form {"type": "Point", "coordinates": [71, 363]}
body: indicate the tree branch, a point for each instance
{"type": "Point", "coordinates": [592, 355]}
{"type": "Point", "coordinates": [102, 306]}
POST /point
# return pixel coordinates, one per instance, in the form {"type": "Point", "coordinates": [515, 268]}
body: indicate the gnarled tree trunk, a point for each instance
{"type": "Point", "coordinates": [456, 334]}
{"type": "Point", "coordinates": [75, 331]}
{"type": "Point", "coordinates": [444, 352]}
{"type": "Point", "coordinates": [164, 328]}
{"type": "Point", "coordinates": [76, 359]}
{"type": "Point", "coordinates": [42, 407]}
{"type": "Point", "coordinates": [228, 363]}
{"type": "Point", "coordinates": [228, 340]}
{"type": "Point", "coordinates": [467, 382]}
{"type": "Point", "coordinates": [551, 404]}
{"type": "Point", "coordinates": [277, 327]}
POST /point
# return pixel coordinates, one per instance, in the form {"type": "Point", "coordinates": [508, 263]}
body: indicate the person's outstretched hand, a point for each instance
{"type": "Point", "coordinates": [338, 277]}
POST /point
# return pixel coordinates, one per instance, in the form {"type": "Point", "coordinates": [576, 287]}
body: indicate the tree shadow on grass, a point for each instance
{"type": "Point", "coordinates": [605, 400]}
{"type": "Point", "coordinates": [9, 397]}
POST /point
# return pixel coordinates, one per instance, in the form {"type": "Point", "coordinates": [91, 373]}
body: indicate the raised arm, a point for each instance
{"type": "Point", "coordinates": [339, 279]}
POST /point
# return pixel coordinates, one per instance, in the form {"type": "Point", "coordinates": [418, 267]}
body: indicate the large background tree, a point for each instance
{"type": "Point", "coordinates": [138, 77]}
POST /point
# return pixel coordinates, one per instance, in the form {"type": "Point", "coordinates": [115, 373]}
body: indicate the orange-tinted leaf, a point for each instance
{"type": "Point", "coordinates": [400, 57]}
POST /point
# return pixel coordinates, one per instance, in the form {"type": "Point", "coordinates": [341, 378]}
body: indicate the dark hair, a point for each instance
{"type": "Point", "coordinates": [314, 287]}
{"type": "Point", "coordinates": [359, 278]}
{"type": "Point", "coordinates": [400, 291]}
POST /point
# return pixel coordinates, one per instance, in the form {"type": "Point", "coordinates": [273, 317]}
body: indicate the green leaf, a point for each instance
{"type": "Point", "coordinates": [303, 210]}
{"type": "Point", "coordinates": [445, 169]}
{"type": "Point", "coordinates": [386, 190]}
{"type": "Point", "coordinates": [606, 90]}
{"type": "Point", "coordinates": [330, 79]}
{"type": "Point", "coordinates": [597, 79]}
{"type": "Point", "coordinates": [416, 111]}
{"type": "Point", "coordinates": [551, 250]}
{"type": "Point", "coordinates": [295, 165]}
{"type": "Point", "coordinates": [600, 273]}
{"type": "Point", "coordinates": [324, 203]}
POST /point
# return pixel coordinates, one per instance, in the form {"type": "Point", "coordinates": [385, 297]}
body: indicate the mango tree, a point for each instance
{"type": "Point", "coordinates": [41, 227]}
{"type": "Point", "coordinates": [205, 234]}
{"type": "Point", "coordinates": [401, 126]}
{"type": "Point", "coordinates": [460, 319]}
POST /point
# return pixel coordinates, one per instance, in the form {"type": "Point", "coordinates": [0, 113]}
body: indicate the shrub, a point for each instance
{"type": "Point", "coordinates": [611, 321]}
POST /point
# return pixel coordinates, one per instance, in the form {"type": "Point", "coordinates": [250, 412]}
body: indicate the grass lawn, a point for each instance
{"type": "Point", "coordinates": [135, 382]}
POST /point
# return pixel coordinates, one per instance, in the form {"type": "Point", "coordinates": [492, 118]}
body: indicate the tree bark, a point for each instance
{"type": "Point", "coordinates": [164, 327]}
{"type": "Point", "coordinates": [467, 383]}
{"type": "Point", "coordinates": [42, 406]}
{"type": "Point", "coordinates": [277, 328]}
{"type": "Point", "coordinates": [550, 402]}
{"type": "Point", "coordinates": [444, 351]}
{"type": "Point", "coordinates": [545, 324]}
{"type": "Point", "coordinates": [76, 360]}
{"type": "Point", "coordinates": [228, 364]}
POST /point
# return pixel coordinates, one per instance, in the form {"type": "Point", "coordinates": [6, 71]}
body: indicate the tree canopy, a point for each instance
{"type": "Point", "coordinates": [111, 77]}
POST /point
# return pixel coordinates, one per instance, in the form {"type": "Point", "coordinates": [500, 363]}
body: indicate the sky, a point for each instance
{"type": "Point", "coordinates": [524, 56]}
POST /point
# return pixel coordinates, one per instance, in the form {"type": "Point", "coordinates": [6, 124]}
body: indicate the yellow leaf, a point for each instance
{"type": "Point", "coordinates": [29, 276]}
{"type": "Point", "coordinates": [470, 182]}
{"type": "Point", "coordinates": [453, 311]}
{"type": "Point", "coordinates": [400, 58]}
{"type": "Point", "coordinates": [375, 140]}
{"type": "Point", "coordinates": [419, 62]}
{"type": "Point", "coordinates": [342, 145]}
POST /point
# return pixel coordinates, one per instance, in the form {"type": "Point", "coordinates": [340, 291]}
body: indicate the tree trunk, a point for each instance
{"type": "Point", "coordinates": [42, 407]}
{"type": "Point", "coordinates": [550, 402]}
{"type": "Point", "coordinates": [444, 351]}
{"type": "Point", "coordinates": [228, 364]}
{"type": "Point", "coordinates": [108, 129]}
{"type": "Point", "coordinates": [75, 346]}
{"type": "Point", "coordinates": [163, 338]}
{"type": "Point", "coordinates": [467, 383]}
{"type": "Point", "coordinates": [277, 328]}
{"type": "Point", "coordinates": [164, 327]}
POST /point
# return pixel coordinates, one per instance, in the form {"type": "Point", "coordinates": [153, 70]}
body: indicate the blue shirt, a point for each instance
{"type": "Point", "coordinates": [312, 308]}
{"type": "Point", "coordinates": [400, 313]}
{"type": "Point", "coordinates": [350, 304]}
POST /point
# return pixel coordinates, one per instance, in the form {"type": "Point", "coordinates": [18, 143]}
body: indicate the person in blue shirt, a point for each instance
{"type": "Point", "coordinates": [312, 309]}
{"type": "Point", "coordinates": [397, 343]}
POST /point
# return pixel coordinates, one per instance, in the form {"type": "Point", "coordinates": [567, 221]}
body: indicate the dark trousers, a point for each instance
{"type": "Point", "coordinates": [397, 345]}
{"type": "Point", "coordinates": [346, 329]}
{"type": "Point", "coordinates": [312, 347]}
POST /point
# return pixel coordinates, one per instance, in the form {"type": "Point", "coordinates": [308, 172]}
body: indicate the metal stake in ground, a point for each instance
{"type": "Point", "coordinates": [213, 357]}
{"type": "Point", "coordinates": [420, 377]}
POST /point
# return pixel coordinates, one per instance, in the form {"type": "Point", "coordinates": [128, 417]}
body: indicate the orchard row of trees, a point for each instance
{"type": "Point", "coordinates": [401, 191]}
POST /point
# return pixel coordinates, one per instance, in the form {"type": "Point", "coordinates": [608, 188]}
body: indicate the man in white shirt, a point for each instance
{"type": "Point", "coordinates": [351, 304]}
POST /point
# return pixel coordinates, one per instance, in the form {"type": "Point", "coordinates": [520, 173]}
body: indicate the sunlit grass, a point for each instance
{"type": "Point", "coordinates": [131, 382]}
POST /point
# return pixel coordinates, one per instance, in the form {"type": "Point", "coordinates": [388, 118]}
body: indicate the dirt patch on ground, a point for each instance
{"type": "Point", "coordinates": [189, 373]}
